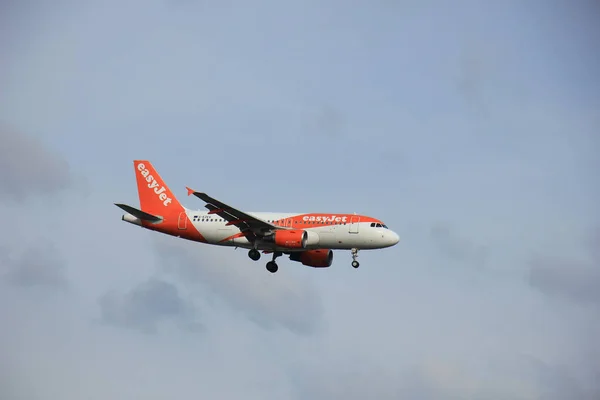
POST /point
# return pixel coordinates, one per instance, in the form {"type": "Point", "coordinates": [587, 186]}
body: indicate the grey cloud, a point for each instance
{"type": "Point", "coordinates": [355, 383]}
{"type": "Point", "coordinates": [27, 167]}
{"type": "Point", "coordinates": [593, 244]}
{"type": "Point", "coordinates": [40, 265]}
{"type": "Point", "coordinates": [568, 279]}
{"type": "Point", "coordinates": [146, 305]}
{"type": "Point", "coordinates": [557, 382]}
{"type": "Point", "coordinates": [457, 248]}
{"type": "Point", "coordinates": [363, 380]}
{"type": "Point", "coordinates": [548, 381]}
{"type": "Point", "coordinates": [268, 300]}
{"type": "Point", "coordinates": [520, 379]}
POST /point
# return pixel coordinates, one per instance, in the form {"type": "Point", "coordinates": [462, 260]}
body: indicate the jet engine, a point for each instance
{"type": "Point", "coordinates": [292, 239]}
{"type": "Point", "coordinates": [319, 258]}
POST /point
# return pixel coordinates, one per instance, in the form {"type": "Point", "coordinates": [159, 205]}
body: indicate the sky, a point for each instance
{"type": "Point", "coordinates": [470, 129]}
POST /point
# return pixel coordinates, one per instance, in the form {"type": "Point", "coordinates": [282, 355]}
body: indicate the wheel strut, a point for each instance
{"type": "Point", "coordinates": [355, 263]}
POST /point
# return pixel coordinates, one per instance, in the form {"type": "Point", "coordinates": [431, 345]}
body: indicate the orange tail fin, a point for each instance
{"type": "Point", "coordinates": [155, 196]}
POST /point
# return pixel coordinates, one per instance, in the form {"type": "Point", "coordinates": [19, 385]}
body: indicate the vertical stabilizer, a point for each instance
{"type": "Point", "coordinates": [155, 196]}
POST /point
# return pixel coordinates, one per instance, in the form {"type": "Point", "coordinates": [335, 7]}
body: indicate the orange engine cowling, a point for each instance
{"type": "Point", "coordinates": [292, 239]}
{"type": "Point", "coordinates": [320, 258]}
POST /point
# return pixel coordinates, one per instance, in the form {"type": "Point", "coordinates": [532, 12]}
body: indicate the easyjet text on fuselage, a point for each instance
{"type": "Point", "coordinates": [324, 218]}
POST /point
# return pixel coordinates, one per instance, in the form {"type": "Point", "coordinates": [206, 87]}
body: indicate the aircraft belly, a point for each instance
{"type": "Point", "coordinates": [219, 235]}
{"type": "Point", "coordinates": [361, 240]}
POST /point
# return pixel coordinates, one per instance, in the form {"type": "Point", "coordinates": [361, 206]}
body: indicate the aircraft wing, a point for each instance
{"type": "Point", "coordinates": [233, 216]}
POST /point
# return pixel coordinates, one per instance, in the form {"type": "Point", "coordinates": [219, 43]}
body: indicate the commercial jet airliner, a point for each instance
{"type": "Point", "coordinates": [309, 238]}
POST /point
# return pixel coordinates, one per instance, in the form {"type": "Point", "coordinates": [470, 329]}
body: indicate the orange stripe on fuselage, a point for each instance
{"type": "Point", "coordinates": [322, 219]}
{"type": "Point", "coordinates": [237, 235]}
{"type": "Point", "coordinates": [177, 225]}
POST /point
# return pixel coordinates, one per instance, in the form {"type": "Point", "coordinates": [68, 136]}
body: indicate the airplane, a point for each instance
{"type": "Point", "coordinates": [308, 238]}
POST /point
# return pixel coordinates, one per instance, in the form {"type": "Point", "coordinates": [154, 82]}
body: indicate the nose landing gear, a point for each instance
{"type": "Point", "coordinates": [355, 263]}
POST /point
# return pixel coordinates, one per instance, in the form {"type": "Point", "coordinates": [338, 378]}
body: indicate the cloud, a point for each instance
{"type": "Point", "coordinates": [459, 249]}
{"type": "Point", "coordinates": [146, 305]}
{"type": "Point", "coordinates": [567, 278]}
{"type": "Point", "coordinates": [365, 380]}
{"type": "Point", "coordinates": [27, 167]}
{"type": "Point", "coordinates": [353, 381]}
{"type": "Point", "coordinates": [556, 382]}
{"type": "Point", "coordinates": [593, 244]}
{"type": "Point", "coordinates": [267, 299]}
{"type": "Point", "coordinates": [39, 265]}
{"type": "Point", "coordinates": [516, 378]}
{"type": "Point", "coordinates": [574, 280]}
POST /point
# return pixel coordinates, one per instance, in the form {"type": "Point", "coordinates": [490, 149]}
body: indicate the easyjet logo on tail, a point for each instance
{"type": "Point", "coordinates": [153, 184]}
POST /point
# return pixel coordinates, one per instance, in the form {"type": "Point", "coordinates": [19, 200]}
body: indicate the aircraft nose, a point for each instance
{"type": "Point", "coordinates": [392, 238]}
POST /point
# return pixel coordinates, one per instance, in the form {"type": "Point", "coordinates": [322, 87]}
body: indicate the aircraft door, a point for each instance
{"type": "Point", "coordinates": [182, 221]}
{"type": "Point", "coordinates": [353, 227]}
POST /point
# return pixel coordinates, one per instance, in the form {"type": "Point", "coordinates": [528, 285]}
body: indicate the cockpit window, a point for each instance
{"type": "Point", "coordinates": [378, 225]}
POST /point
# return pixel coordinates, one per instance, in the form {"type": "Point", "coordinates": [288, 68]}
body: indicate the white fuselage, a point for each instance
{"type": "Point", "coordinates": [337, 231]}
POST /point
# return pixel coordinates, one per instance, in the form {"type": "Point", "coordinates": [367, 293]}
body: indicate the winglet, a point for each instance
{"type": "Point", "coordinates": [190, 191]}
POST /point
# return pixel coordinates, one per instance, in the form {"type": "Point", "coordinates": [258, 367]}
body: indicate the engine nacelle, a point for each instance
{"type": "Point", "coordinates": [291, 239]}
{"type": "Point", "coordinates": [319, 258]}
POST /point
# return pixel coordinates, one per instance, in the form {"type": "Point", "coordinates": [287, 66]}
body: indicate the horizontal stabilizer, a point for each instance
{"type": "Point", "coordinates": [144, 216]}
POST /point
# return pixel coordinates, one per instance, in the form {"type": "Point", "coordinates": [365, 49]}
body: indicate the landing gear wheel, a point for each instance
{"type": "Point", "coordinates": [272, 267]}
{"type": "Point", "coordinates": [355, 264]}
{"type": "Point", "coordinates": [254, 254]}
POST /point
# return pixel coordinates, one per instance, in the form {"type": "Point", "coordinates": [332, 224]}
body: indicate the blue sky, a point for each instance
{"type": "Point", "coordinates": [470, 129]}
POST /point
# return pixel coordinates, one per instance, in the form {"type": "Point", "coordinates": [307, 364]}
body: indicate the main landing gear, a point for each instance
{"type": "Point", "coordinates": [254, 254]}
{"type": "Point", "coordinates": [355, 263]}
{"type": "Point", "coordinates": [271, 265]}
